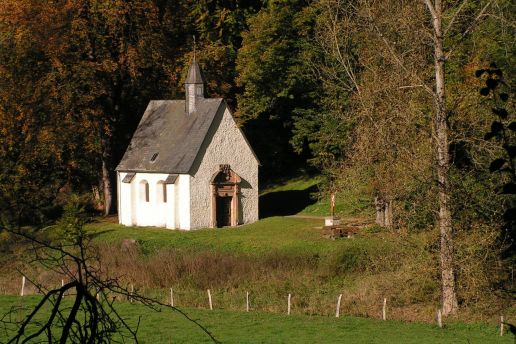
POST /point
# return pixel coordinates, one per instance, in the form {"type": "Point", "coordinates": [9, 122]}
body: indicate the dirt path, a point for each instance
{"type": "Point", "coordinates": [359, 221]}
{"type": "Point", "coordinates": [314, 217]}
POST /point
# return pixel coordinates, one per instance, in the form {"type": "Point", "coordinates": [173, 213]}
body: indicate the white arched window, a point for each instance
{"type": "Point", "coordinates": [144, 191]}
{"type": "Point", "coordinates": [161, 192]}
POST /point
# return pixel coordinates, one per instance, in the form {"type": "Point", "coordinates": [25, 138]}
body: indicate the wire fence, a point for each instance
{"type": "Point", "coordinates": [314, 303]}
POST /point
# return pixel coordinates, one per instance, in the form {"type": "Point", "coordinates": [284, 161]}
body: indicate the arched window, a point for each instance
{"type": "Point", "coordinates": [144, 191]}
{"type": "Point", "coordinates": [161, 192]}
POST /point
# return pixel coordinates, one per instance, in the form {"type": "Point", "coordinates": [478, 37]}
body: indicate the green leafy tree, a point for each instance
{"type": "Point", "coordinates": [279, 100]}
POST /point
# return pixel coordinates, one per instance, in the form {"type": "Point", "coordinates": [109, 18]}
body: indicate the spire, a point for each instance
{"type": "Point", "coordinates": [194, 84]}
{"type": "Point", "coordinates": [194, 74]}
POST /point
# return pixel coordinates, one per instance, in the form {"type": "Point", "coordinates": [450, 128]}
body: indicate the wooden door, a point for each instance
{"type": "Point", "coordinates": [223, 211]}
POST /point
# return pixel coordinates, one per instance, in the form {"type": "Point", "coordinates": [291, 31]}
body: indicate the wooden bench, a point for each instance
{"type": "Point", "coordinates": [339, 231]}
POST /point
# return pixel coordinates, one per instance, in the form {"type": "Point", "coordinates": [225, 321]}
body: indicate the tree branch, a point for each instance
{"type": "Point", "coordinates": [474, 22]}
{"type": "Point", "coordinates": [454, 16]}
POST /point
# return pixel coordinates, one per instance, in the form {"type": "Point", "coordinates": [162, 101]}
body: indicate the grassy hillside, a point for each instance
{"type": "Point", "coordinates": [282, 234]}
{"type": "Point", "coordinates": [302, 195]}
{"type": "Point", "coordinates": [281, 255]}
{"type": "Point", "coordinates": [255, 327]}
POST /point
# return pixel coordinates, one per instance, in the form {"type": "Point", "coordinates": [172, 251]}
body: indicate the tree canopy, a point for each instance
{"type": "Point", "coordinates": [347, 87]}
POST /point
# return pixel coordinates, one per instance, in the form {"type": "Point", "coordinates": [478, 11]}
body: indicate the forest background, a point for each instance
{"type": "Point", "coordinates": [344, 87]}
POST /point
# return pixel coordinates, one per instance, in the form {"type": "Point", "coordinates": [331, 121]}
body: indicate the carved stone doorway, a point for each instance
{"type": "Point", "coordinates": [225, 199]}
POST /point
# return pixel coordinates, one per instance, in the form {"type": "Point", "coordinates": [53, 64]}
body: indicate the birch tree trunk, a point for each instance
{"type": "Point", "coordinates": [449, 298]}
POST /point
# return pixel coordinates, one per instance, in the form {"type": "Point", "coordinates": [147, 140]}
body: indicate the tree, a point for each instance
{"type": "Point", "coordinates": [443, 161]}
{"type": "Point", "coordinates": [84, 71]}
{"type": "Point", "coordinates": [280, 97]}
{"type": "Point", "coordinates": [388, 145]}
{"type": "Point", "coordinates": [394, 60]}
{"type": "Point", "coordinates": [93, 318]}
{"type": "Point", "coordinates": [442, 54]}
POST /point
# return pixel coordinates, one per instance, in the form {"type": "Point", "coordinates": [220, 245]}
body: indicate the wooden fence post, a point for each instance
{"type": "Point", "coordinates": [288, 305]}
{"type": "Point", "coordinates": [171, 297]}
{"type": "Point", "coordinates": [384, 310]}
{"type": "Point", "coordinates": [209, 299]}
{"type": "Point", "coordinates": [22, 293]}
{"type": "Point", "coordinates": [337, 312]}
{"type": "Point", "coordinates": [439, 318]}
{"type": "Point", "coordinates": [501, 325]}
{"type": "Point", "coordinates": [247, 301]}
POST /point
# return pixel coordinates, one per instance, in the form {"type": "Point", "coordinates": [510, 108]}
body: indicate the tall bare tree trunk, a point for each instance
{"type": "Point", "coordinates": [108, 189]}
{"type": "Point", "coordinates": [449, 298]}
{"type": "Point", "coordinates": [108, 176]}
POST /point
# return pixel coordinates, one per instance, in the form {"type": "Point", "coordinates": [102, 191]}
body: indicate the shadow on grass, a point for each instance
{"type": "Point", "coordinates": [283, 203]}
{"type": "Point", "coordinates": [93, 235]}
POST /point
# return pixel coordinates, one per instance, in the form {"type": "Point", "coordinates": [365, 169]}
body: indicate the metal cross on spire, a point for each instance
{"type": "Point", "coordinates": [194, 47]}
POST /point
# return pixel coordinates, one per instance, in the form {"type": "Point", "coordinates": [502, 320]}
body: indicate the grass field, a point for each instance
{"type": "Point", "coordinates": [285, 234]}
{"type": "Point", "coordinates": [254, 327]}
{"type": "Point", "coordinates": [301, 195]}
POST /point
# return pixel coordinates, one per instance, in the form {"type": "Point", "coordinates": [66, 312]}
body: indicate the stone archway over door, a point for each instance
{"type": "Point", "coordinates": [225, 199]}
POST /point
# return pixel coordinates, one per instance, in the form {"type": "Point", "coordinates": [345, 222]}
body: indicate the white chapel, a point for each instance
{"type": "Point", "coordinates": [188, 165]}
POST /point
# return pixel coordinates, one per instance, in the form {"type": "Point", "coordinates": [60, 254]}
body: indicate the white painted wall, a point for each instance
{"type": "Point", "coordinates": [171, 213]}
{"type": "Point", "coordinates": [183, 206]}
{"type": "Point", "coordinates": [124, 201]}
{"type": "Point", "coordinates": [135, 211]}
{"type": "Point", "coordinates": [224, 144]}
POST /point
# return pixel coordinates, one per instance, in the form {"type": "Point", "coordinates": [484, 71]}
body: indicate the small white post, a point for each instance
{"type": "Point", "coordinates": [62, 283]}
{"type": "Point", "coordinates": [501, 325]}
{"type": "Point", "coordinates": [22, 286]}
{"type": "Point", "coordinates": [131, 293]}
{"type": "Point", "coordinates": [171, 297]}
{"type": "Point", "coordinates": [439, 318]}
{"type": "Point", "coordinates": [384, 310]}
{"type": "Point", "coordinates": [209, 299]}
{"type": "Point", "coordinates": [247, 302]}
{"type": "Point", "coordinates": [337, 312]}
{"type": "Point", "coordinates": [288, 305]}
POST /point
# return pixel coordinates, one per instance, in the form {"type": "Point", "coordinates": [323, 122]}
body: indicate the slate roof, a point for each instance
{"type": "Point", "coordinates": [166, 129]}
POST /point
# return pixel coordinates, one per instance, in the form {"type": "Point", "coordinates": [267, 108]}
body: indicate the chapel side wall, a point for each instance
{"type": "Point", "coordinates": [183, 201]}
{"type": "Point", "coordinates": [227, 146]}
{"type": "Point", "coordinates": [125, 201]}
{"type": "Point", "coordinates": [136, 211]}
{"type": "Point", "coordinates": [171, 211]}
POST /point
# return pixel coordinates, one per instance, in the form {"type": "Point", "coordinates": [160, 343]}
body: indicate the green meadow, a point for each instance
{"type": "Point", "coordinates": [168, 326]}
